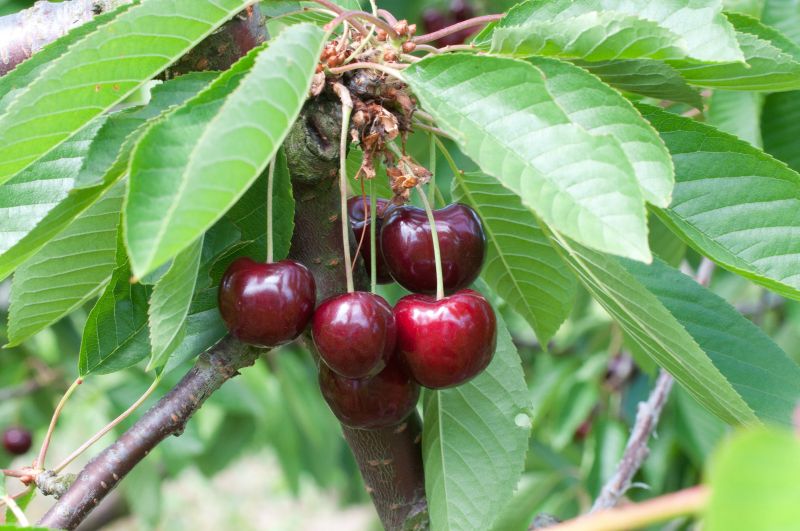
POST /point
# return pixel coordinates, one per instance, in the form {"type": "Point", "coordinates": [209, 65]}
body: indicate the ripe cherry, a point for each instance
{"type": "Point", "coordinates": [407, 246]}
{"type": "Point", "coordinates": [355, 333]}
{"type": "Point", "coordinates": [383, 400]}
{"type": "Point", "coordinates": [433, 20]}
{"type": "Point", "coordinates": [266, 304]}
{"type": "Point", "coordinates": [359, 222]}
{"type": "Point", "coordinates": [17, 440]}
{"type": "Point", "coordinates": [461, 10]}
{"type": "Point", "coordinates": [446, 342]}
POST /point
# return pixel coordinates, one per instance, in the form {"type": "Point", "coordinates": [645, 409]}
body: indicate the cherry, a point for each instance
{"type": "Point", "coordinates": [383, 400]}
{"type": "Point", "coordinates": [360, 221]}
{"type": "Point", "coordinates": [407, 246]}
{"type": "Point", "coordinates": [433, 20]}
{"type": "Point", "coordinates": [446, 342]}
{"type": "Point", "coordinates": [354, 333]}
{"type": "Point", "coordinates": [17, 441]}
{"type": "Point", "coordinates": [266, 304]}
{"type": "Point", "coordinates": [461, 10]}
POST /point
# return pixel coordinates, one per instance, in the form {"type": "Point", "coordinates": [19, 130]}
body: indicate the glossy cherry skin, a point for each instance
{"type": "Point", "coordinates": [446, 342]}
{"type": "Point", "coordinates": [354, 333]}
{"type": "Point", "coordinates": [17, 441]}
{"type": "Point", "coordinates": [266, 304]}
{"type": "Point", "coordinates": [360, 222]}
{"type": "Point", "coordinates": [369, 403]}
{"type": "Point", "coordinates": [407, 246]}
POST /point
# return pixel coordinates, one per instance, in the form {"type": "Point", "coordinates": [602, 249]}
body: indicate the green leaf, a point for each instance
{"type": "Point", "coordinates": [753, 481]}
{"type": "Point", "coordinates": [474, 442]}
{"type": "Point", "coordinates": [604, 112]}
{"type": "Point", "coordinates": [772, 62]}
{"type": "Point", "coordinates": [501, 114]}
{"type": "Point", "coordinates": [15, 82]}
{"type": "Point", "coordinates": [737, 113]}
{"type": "Point", "coordinates": [732, 202]}
{"type": "Point", "coordinates": [113, 140]}
{"type": "Point", "coordinates": [747, 7]}
{"type": "Point", "coordinates": [81, 84]}
{"type": "Point", "coordinates": [66, 273]}
{"type": "Point", "coordinates": [521, 267]}
{"type": "Point", "coordinates": [783, 15]}
{"type": "Point", "coordinates": [616, 29]}
{"type": "Point", "coordinates": [654, 330]}
{"type": "Point", "coordinates": [763, 375]}
{"type": "Point", "coordinates": [176, 192]}
{"type": "Point", "coordinates": [780, 127]}
{"type": "Point", "coordinates": [653, 79]}
{"type": "Point", "coordinates": [22, 503]}
{"type": "Point", "coordinates": [115, 334]}
{"type": "Point", "coordinates": [29, 197]}
{"type": "Point", "coordinates": [170, 302]}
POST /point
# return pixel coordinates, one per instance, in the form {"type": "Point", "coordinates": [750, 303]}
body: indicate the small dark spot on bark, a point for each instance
{"type": "Point", "coordinates": [97, 8]}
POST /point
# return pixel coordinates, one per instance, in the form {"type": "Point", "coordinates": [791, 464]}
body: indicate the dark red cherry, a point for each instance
{"type": "Point", "coordinates": [17, 441]}
{"type": "Point", "coordinates": [354, 333]}
{"type": "Point", "coordinates": [266, 304]}
{"type": "Point", "coordinates": [407, 247]}
{"type": "Point", "coordinates": [433, 20]}
{"type": "Point", "coordinates": [461, 10]}
{"type": "Point", "coordinates": [383, 400]}
{"type": "Point", "coordinates": [360, 222]}
{"type": "Point", "coordinates": [446, 342]}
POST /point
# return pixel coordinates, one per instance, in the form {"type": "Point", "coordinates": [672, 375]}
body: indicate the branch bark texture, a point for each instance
{"type": "Point", "coordinates": [168, 417]}
{"type": "Point", "coordinates": [24, 33]}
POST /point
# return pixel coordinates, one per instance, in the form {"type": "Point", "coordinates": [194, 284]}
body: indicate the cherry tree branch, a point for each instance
{"type": "Point", "coordinates": [168, 417]}
{"type": "Point", "coordinates": [647, 416]}
{"type": "Point", "coordinates": [24, 33]}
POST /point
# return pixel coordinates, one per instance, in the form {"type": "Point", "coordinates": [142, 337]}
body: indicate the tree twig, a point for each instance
{"type": "Point", "coordinates": [168, 417]}
{"type": "Point", "coordinates": [647, 416]}
{"type": "Point", "coordinates": [27, 31]}
{"type": "Point", "coordinates": [636, 515]}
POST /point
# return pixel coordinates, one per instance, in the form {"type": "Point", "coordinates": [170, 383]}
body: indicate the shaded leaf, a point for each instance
{"type": "Point", "coordinates": [780, 127]}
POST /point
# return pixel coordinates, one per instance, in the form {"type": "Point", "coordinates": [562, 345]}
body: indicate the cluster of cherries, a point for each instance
{"type": "Point", "coordinates": [17, 441]}
{"type": "Point", "coordinates": [459, 10]}
{"type": "Point", "coordinates": [375, 357]}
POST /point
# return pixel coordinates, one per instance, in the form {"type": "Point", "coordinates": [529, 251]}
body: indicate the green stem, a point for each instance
{"type": "Point", "coordinates": [347, 109]}
{"type": "Point", "coordinates": [39, 463]}
{"type": "Point", "coordinates": [432, 168]}
{"type": "Point", "coordinates": [270, 186]}
{"type": "Point", "coordinates": [437, 255]}
{"type": "Point", "coordinates": [373, 251]}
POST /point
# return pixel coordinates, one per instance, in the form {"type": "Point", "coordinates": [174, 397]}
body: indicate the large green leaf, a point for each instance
{"type": "Point", "coordinates": [14, 83]}
{"type": "Point", "coordinates": [100, 71]}
{"type": "Point", "coordinates": [732, 202]}
{"type": "Point", "coordinates": [772, 62]}
{"type": "Point", "coordinates": [170, 302]}
{"type": "Point", "coordinates": [780, 127]}
{"type": "Point", "coordinates": [115, 334]}
{"type": "Point", "coordinates": [654, 329]}
{"type": "Point", "coordinates": [602, 111]}
{"type": "Point", "coordinates": [737, 113]}
{"type": "Point", "coordinates": [783, 15]}
{"type": "Point", "coordinates": [653, 79]}
{"type": "Point", "coordinates": [104, 164]}
{"type": "Point", "coordinates": [753, 480]}
{"type": "Point", "coordinates": [601, 30]}
{"type": "Point", "coordinates": [474, 442]}
{"type": "Point", "coordinates": [521, 266]}
{"type": "Point", "coordinates": [27, 199]}
{"type": "Point", "coordinates": [765, 377]}
{"type": "Point", "coordinates": [70, 270]}
{"type": "Point", "coordinates": [191, 168]}
{"type": "Point", "coordinates": [501, 114]}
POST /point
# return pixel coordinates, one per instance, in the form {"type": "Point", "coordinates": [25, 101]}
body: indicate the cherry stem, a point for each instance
{"type": "Point", "coordinates": [455, 28]}
{"type": "Point", "coordinates": [373, 252]}
{"type": "Point", "coordinates": [387, 16]}
{"type": "Point", "coordinates": [432, 168]}
{"type": "Point", "coordinates": [39, 463]}
{"type": "Point", "coordinates": [111, 425]}
{"type": "Point", "coordinates": [431, 129]}
{"type": "Point", "coordinates": [437, 255]}
{"type": "Point", "coordinates": [349, 16]}
{"type": "Point", "coordinates": [330, 5]}
{"type": "Point", "coordinates": [270, 186]}
{"type": "Point", "coordinates": [347, 109]}
{"type": "Point", "coordinates": [388, 70]}
{"type": "Point", "coordinates": [16, 511]}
